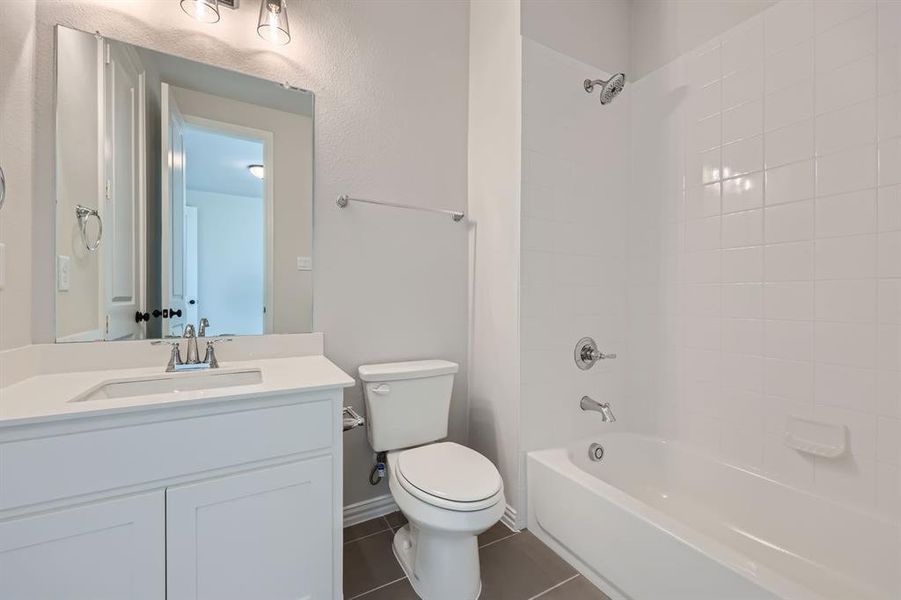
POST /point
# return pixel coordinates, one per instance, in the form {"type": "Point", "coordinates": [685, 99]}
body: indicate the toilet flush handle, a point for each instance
{"type": "Point", "coordinates": [382, 389]}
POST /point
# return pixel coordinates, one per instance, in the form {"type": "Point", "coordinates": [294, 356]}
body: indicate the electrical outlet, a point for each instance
{"type": "Point", "coordinates": [62, 273]}
{"type": "Point", "coordinates": [304, 263]}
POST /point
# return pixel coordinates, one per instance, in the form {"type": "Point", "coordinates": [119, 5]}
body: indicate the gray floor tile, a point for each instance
{"type": "Point", "coordinates": [396, 520]}
{"type": "Point", "coordinates": [400, 590]}
{"type": "Point", "coordinates": [520, 567]}
{"type": "Point", "coordinates": [369, 563]}
{"type": "Point", "coordinates": [575, 589]}
{"type": "Point", "coordinates": [363, 529]}
{"type": "Point", "coordinates": [498, 531]}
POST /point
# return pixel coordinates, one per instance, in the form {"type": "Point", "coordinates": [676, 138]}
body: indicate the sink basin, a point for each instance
{"type": "Point", "coordinates": [170, 383]}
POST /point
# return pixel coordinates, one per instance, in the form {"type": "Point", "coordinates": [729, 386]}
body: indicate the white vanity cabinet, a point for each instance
{"type": "Point", "coordinates": [231, 499]}
{"type": "Point", "coordinates": [104, 549]}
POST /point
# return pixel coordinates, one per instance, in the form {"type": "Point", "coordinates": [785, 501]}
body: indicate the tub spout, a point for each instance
{"type": "Point", "coordinates": [603, 408]}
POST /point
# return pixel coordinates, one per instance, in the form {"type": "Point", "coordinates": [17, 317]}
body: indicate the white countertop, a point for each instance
{"type": "Point", "coordinates": [48, 397]}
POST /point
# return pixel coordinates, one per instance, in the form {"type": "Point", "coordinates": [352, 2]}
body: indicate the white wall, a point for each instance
{"type": "Point", "coordinates": [16, 154]}
{"type": "Point", "coordinates": [389, 285]}
{"type": "Point", "coordinates": [230, 261]}
{"type": "Point", "coordinates": [662, 30]}
{"type": "Point", "coordinates": [770, 286]}
{"type": "Point", "coordinates": [595, 32]}
{"type": "Point", "coordinates": [495, 84]}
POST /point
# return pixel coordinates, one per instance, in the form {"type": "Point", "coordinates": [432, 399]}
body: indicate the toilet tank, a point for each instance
{"type": "Point", "coordinates": [407, 403]}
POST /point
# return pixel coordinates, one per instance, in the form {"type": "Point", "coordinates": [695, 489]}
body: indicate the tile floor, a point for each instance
{"type": "Point", "coordinates": [515, 566]}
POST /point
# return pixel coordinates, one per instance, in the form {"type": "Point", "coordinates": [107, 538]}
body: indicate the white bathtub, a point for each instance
{"type": "Point", "coordinates": [658, 521]}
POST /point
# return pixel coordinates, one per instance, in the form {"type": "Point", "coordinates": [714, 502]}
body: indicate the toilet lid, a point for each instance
{"type": "Point", "coordinates": [450, 471]}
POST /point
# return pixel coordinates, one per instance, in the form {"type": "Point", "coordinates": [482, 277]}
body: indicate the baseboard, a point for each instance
{"type": "Point", "coordinates": [509, 518]}
{"type": "Point", "coordinates": [369, 509]}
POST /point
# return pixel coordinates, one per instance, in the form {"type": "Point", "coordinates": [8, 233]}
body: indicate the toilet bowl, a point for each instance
{"type": "Point", "coordinates": [438, 548]}
{"type": "Point", "coordinates": [449, 493]}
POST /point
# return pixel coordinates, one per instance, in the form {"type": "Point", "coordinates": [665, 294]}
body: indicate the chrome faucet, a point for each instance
{"type": "Point", "coordinates": [192, 361]}
{"type": "Point", "coordinates": [593, 405]}
{"type": "Point", "coordinates": [193, 357]}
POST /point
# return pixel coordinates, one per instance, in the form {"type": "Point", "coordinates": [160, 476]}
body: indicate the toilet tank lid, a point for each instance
{"type": "Point", "coordinates": [407, 370]}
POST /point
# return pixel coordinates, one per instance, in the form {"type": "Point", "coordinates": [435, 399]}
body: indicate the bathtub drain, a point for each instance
{"type": "Point", "coordinates": [596, 452]}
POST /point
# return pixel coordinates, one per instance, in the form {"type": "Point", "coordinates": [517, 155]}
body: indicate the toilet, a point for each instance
{"type": "Point", "coordinates": [449, 493]}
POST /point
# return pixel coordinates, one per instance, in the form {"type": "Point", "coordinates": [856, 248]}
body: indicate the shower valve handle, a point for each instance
{"type": "Point", "coordinates": [587, 354]}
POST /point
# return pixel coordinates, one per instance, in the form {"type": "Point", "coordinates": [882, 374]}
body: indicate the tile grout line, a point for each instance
{"type": "Point", "coordinates": [506, 537]}
{"type": "Point", "coordinates": [554, 587]}
{"type": "Point", "coordinates": [368, 535]}
{"type": "Point", "coordinates": [377, 588]}
{"type": "Point", "coordinates": [363, 537]}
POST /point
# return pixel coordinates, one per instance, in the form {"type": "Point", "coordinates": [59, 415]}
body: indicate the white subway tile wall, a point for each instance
{"type": "Point", "coordinates": [766, 281]}
{"type": "Point", "coordinates": [575, 190]}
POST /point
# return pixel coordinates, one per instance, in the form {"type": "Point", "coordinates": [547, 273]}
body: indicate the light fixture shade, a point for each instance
{"type": "Point", "coordinates": [273, 24]}
{"type": "Point", "coordinates": [257, 171]}
{"type": "Point", "coordinates": [205, 11]}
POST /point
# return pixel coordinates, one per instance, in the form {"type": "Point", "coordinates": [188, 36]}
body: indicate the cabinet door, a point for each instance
{"type": "Point", "coordinates": [102, 551]}
{"type": "Point", "coordinates": [262, 534]}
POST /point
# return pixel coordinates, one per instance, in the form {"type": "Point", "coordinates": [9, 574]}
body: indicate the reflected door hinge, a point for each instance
{"type": "Point", "coordinates": [106, 59]}
{"type": "Point", "coordinates": [106, 327]}
{"type": "Point", "coordinates": [108, 191]}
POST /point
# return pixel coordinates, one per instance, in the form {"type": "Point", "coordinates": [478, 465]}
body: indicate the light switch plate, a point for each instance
{"type": "Point", "coordinates": [304, 263]}
{"type": "Point", "coordinates": [62, 273]}
{"type": "Point", "coordinates": [2, 266]}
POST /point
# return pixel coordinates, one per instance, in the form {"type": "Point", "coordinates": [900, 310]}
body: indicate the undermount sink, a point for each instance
{"type": "Point", "coordinates": [170, 383]}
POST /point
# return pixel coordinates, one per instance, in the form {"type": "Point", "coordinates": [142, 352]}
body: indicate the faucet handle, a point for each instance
{"type": "Point", "coordinates": [210, 356]}
{"type": "Point", "coordinates": [174, 355]}
{"type": "Point", "coordinates": [587, 353]}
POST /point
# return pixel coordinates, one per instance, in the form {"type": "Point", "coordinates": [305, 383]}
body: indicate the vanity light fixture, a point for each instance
{"type": "Point", "coordinates": [273, 24]}
{"type": "Point", "coordinates": [205, 11]}
{"type": "Point", "coordinates": [257, 171]}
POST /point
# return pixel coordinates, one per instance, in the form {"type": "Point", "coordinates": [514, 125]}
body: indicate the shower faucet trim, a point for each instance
{"type": "Point", "coordinates": [603, 409]}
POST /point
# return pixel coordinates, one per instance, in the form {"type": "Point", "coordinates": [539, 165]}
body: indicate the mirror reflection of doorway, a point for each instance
{"type": "Point", "coordinates": [217, 226]}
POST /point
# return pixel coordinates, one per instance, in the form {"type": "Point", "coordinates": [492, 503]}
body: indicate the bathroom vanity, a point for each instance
{"type": "Point", "coordinates": [119, 484]}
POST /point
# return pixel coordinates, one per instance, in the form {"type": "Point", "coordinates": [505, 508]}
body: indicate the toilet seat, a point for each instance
{"type": "Point", "coordinates": [450, 476]}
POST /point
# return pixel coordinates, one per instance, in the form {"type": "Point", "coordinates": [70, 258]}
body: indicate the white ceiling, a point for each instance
{"type": "Point", "coordinates": [216, 162]}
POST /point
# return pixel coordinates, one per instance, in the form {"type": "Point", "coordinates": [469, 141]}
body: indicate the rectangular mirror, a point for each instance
{"type": "Point", "coordinates": [184, 196]}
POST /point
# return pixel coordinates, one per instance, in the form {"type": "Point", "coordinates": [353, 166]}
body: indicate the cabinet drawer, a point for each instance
{"type": "Point", "coordinates": [45, 469]}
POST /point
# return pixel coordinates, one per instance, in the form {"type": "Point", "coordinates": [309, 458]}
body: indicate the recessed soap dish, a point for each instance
{"type": "Point", "coordinates": [815, 437]}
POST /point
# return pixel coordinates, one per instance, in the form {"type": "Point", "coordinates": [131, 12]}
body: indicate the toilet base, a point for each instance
{"type": "Point", "coordinates": [439, 567]}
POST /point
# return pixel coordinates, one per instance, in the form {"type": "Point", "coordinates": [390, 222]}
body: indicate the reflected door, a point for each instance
{"type": "Point", "coordinates": [122, 249]}
{"type": "Point", "coordinates": [173, 214]}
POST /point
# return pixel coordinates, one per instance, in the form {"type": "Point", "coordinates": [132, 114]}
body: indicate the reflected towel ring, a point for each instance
{"type": "Point", "coordinates": [2, 187]}
{"type": "Point", "coordinates": [82, 213]}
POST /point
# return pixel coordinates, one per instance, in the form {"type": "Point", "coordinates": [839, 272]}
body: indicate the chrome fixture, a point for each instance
{"type": "Point", "coordinates": [587, 353]}
{"type": "Point", "coordinates": [193, 354]}
{"type": "Point", "coordinates": [204, 324]}
{"type": "Point", "coordinates": [351, 418]}
{"type": "Point", "coordinates": [610, 88]}
{"type": "Point", "coordinates": [457, 215]}
{"type": "Point", "coordinates": [595, 406]}
{"type": "Point", "coordinates": [82, 214]}
{"type": "Point", "coordinates": [205, 11]}
{"type": "Point", "coordinates": [2, 187]}
{"type": "Point", "coordinates": [595, 452]}
{"type": "Point", "coordinates": [258, 171]}
{"type": "Point", "coordinates": [193, 363]}
{"type": "Point", "coordinates": [209, 358]}
{"type": "Point", "coordinates": [273, 23]}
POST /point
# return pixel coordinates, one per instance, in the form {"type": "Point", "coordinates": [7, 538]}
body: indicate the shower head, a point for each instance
{"type": "Point", "coordinates": [610, 88]}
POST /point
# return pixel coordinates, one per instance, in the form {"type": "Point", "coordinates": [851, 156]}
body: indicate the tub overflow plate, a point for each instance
{"type": "Point", "coordinates": [596, 452]}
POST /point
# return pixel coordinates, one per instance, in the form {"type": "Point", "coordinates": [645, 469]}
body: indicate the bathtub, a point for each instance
{"type": "Point", "coordinates": [655, 520]}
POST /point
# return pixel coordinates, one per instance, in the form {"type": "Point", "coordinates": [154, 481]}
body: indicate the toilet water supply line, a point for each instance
{"type": "Point", "coordinates": [378, 470]}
